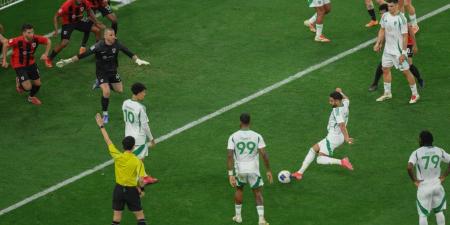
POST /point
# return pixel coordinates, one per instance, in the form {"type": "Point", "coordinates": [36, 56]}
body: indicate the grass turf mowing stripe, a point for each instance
{"type": "Point", "coordinates": [215, 114]}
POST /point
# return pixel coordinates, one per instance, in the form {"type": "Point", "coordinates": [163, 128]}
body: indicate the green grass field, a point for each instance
{"type": "Point", "coordinates": [206, 55]}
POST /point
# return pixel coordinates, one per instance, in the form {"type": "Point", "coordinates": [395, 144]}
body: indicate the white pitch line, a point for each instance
{"type": "Point", "coordinates": [214, 114]}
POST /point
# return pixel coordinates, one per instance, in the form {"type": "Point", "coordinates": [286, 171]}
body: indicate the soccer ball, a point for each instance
{"type": "Point", "coordinates": [284, 176]}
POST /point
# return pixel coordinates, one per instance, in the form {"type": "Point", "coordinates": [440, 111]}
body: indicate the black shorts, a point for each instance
{"type": "Point", "coordinates": [126, 195]}
{"type": "Point", "coordinates": [27, 73]}
{"type": "Point", "coordinates": [108, 77]}
{"type": "Point", "coordinates": [105, 10]}
{"type": "Point", "coordinates": [409, 50]}
{"type": "Point", "coordinates": [83, 26]}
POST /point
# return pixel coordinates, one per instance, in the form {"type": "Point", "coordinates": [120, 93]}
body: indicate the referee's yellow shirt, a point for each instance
{"type": "Point", "coordinates": [128, 168]}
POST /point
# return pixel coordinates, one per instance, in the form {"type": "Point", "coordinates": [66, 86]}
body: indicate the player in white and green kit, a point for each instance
{"type": "Point", "coordinates": [337, 134]}
{"type": "Point", "coordinates": [430, 193]}
{"type": "Point", "coordinates": [244, 148]}
{"type": "Point", "coordinates": [136, 124]}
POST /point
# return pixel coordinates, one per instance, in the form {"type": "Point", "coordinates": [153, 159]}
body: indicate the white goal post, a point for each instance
{"type": "Point", "coordinates": [8, 3]}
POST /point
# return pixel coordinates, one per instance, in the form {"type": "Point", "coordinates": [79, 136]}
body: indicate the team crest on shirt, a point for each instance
{"type": "Point", "coordinates": [34, 44]}
{"type": "Point", "coordinates": [114, 50]}
{"type": "Point", "coordinates": [82, 9]}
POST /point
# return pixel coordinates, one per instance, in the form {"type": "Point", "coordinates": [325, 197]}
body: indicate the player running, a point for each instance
{"type": "Point", "coordinates": [322, 7]}
{"type": "Point", "coordinates": [72, 13]}
{"type": "Point", "coordinates": [136, 125]}
{"type": "Point", "coordinates": [104, 7]}
{"type": "Point", "coordinates": [106, 53]}
{"type": "Point", "coordinates": [395, 31]}
{"type": "Point", "coordinates": [371, 10]}
{"type": "Point", "coordinates": [337, 134]}
{"type": "Point", "coordinates": [428, 180]}
{"type": "Point", "coordinates": [244, 148]}
{"type": "Point", "coordinates": [22, 60]}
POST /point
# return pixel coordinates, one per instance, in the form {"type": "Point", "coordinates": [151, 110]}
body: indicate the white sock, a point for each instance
{"type": "Point", "coordinates": [319, 28]}
{"type": "Point", "coordinates": [440, 218]}
{"type": "Point", "coordinates": [105, 113]}
{"type": "Point", "coordinates": [412, 19]}
{"type": "Point", "coordinates": [237, 209]}
{"type": "Point", "coordinates": [423, 220]}
{"type": "Point", "coordinates": [307, 161]}
{"type": "Point", "coordinates": [387, 88]}
{"type": "Point", "coordinates": [313, 19]}
{"type": "Point", "coordinates": [413, 89]}
{"type": "Point", "coordinates": [325, 160]}
{"type": "Point", "coordinates": [260, 210]}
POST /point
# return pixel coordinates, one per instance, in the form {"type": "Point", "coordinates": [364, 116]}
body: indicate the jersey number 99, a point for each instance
{"type": "Point", "coordinates": [242, 146]}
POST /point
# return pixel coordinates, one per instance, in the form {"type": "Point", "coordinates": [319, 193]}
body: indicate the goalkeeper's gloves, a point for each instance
{"type": "Point", "coordinates": [141, 62]}
{"type": "Point", "coordinates": [64, 62]}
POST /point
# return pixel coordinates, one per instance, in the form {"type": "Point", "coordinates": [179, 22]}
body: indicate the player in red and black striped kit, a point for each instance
{"type": "Point", "coordinates": [104, 7]}
{"type": "Point", "coordinates": [22, 60]}
{"type": "Point", "coordinates": [72, 13]}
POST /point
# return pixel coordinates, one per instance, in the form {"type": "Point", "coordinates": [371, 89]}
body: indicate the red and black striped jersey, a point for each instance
{"type": "Point", "coordinates": [23, 50]}
{"type": "Point", "coordinates": [71, 11]}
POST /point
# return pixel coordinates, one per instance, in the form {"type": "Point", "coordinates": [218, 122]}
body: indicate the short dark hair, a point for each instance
{"type": "Point", "coordinates": [383, 7]}
{"type": "Point", "coordinates": [128, 143]}
{"type": "Point", "coordinates": [392, 1]}
{"type": "Point", "coordinates": [245, 118]}
{"type": "Point", "coordinates": [426, 138]}
{"type": "Point", "coordinates": [336, 95]}
{"type": "Point", "coordinates": [137, 88]}
{"type": "Point", "coordinates": [109, 29]}
{"type": "Point", "coordinates": [26, 26]}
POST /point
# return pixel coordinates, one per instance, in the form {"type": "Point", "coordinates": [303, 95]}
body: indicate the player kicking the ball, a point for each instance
{"type": "Point", "coordinates": [106, 54]}
{"type": "Point", "coordinates": [136, 125]}
{"type": "Point", "coordinates": [430, 193]}
{"type": "Point", "coordinates": [322, 7]}
{"type": "Point", "coordinates": [244, 147]}
{"type": "Point", "coordinates": [395, 30]}
{"type": "Point", "coordinates": [337, 134]}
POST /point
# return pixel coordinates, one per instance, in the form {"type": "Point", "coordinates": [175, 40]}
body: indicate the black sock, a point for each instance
{"type": "Point", "coordinates": [378, 75]}
{"type": "Point", "coordinates": [34, 90]}
{"type": "Point", "coordinates": [105, 103]}
{"type": "Point", "coordinates": [114, 27]}
{"type": "Point", "coordinates": [52, 55]}
{"type": "Point", "coordinates": [141, 222]}
{"type": "Point", "coordinates": [115, 223]}
{"type": "Point", "coordinates": [85, 39]}
{"type": "Point", "coordinates": [415, 71]}
{"type": "Point", "coordinates": [372, 14]}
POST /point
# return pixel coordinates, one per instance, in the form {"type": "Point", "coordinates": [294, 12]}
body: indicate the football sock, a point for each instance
{"type": "Point", "coordinates": [440, 218]}
{"type": "Point", "coordinates": [319, 28]}
{"type": "Point", "coordinates": [141, 222]}
{"type": "Point", "coordinates": [423, 220]}
{"type": "Point", "coordinates": [114, 27]}
{"type": "Point", "coordinates": [387, 87]}
{"type": "Point", "coordinates": [413, 89]}
{"type": "Point", "coordinates": [313, 18]}
{"type": "Point", "coordinates": [307, 161]}
{"type": "Point", "coordinates": [85, 39]}
{"type": "Point", "coordinates": [34, 90]}
{"type": "Point", "coordinates": [52, 55]}
{"type": "Point", "coordinates": [115, 223]}
{"type": "Point", "coordinates": [260, 210]}
{"type": "Point", "coordinates": [372, 14]}
{"type": "Point", "coordinates": [325, 160]}
{"type": "Point", "coordinates": [378, 74]}
{"type": "Point", "coordinates": [105, 103]}
{"type": "Point", "coordinates": [415, 71]}
{"type": "Point", "coordinates": [413, 19]}
{"type": "Point", "coordinates": [237, 209]}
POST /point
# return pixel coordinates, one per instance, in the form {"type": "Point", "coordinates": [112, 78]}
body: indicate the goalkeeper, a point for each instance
{"type": "Point", "coordinates": [106, 53]}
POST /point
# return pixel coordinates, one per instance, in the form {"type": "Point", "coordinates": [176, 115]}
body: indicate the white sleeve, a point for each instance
{"type": "Point", "coordinates": [230, 143]}
{"type": "Point", "coordinates": [143, 116]}
{"type": "Point", "coordinates": [445, 156]}
{"type": "Point", "coordinates": [338, 115]}
{"type": "Point", "coordinates": [147, 131]}
{"type": "Point", "coordinates": [404, 25]}
{"type": "Point", "coordinates": [382, 20]}
{"type": "Point", "coordinates": [261, 143]}
{"type": "Point", "coordinates": [346, 103]}
{"type": "Point", "coordinates": [413, 158]}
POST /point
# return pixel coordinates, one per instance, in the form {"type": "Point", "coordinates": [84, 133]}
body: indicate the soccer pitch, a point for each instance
{"type": "Point", "coordinates": [206, 55]}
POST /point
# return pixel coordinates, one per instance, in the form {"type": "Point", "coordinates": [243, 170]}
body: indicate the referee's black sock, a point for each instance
{"type": "Point", "coordinates": [372, 14]}
{"type": "Point", "coordinates": [141, 222]}
{"type": "Point", "coordinates": [85, 39]}
{"type": "Point", "coordinates": [114, 26]}
{"type": "Point", "coordinates": [34, 90]}
{"type": "Point", "coordinates": [105, 103]}
{"type": "Point", "coordinates": [378, 74]}
{"type": "Point", "coordinates": [115, 223]}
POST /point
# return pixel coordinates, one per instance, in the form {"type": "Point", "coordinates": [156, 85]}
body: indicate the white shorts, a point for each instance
{"type": "Point", "coordinates": [389, 60]}
{"type": "Point", "coordinates": [331, 142]}
{"type": "Point", "coordinates": [430, 198]}
{"type": "Point", "coordinates": [317, 3]}
{"type": "Point", "coordinates": [141, 151]}
{"type": "Point", "coordinates": [252, 179]}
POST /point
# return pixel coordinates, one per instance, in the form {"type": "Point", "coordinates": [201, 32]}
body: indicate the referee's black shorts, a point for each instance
{"type": "Point", "coordinates": [126, 195]}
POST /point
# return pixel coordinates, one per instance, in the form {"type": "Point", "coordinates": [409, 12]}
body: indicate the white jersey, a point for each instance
{"type": "Point", "coordinates": [394, 27]}
{"type": "Point", "coordinates": [427, 160]}
{"type": "Point", "coordinates": [135, 117]}
{"type": "Point", "coordinates": [338, 115]}
{"type": "Point", "coordinates": [245, 145]}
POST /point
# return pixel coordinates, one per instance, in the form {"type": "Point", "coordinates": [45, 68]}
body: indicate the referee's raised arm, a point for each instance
{"type": "Point", "coordinates": [99, 120]}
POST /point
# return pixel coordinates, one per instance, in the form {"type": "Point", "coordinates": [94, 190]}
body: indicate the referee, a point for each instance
{"type": "Point", "coordinates": [127, 168]}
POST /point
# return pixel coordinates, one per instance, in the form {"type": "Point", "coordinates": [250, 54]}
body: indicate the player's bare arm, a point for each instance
{"type": "Point", "coordinates": [230, 163]}
{"type": "Point", "coordinates": [4, 42]}
{"type": "Point", "coordinates": [447, 172]}
{"type": "Point", "coordinates": [99, 120]}
{"type": "Point", "coordinates": [412, 175]}
{"type": "Point", "coordinates": [380, 39]}
{"type": "Point", "coordinates": [342, 93]}
{"type": "Point", "coordinates": [405, 44]}
{"type": "Point", "coordinates": [48, 46]}
{"type": "Point", "coordinates": [55, 24]}
{"type": "Point", "coordinates": [413, 37]}
{"type": "Point", "coordinates": [344, 130]}
{"type": "Point", "coordinates": [265, 157]}
{"type": "Point", "coordinates": [94, 19]}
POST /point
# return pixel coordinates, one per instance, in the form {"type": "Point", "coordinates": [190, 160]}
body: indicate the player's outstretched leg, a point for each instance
{"type": "Point", "coordinates": [306, 162]}
{"type": "Point", "coordinates": [238, 204]}
{"type": "Point", "coordinates": [326, 160]}
{"type": "Point", "coordinates": [311, 22]}
{"type": "Point", "coordinates": [260, 206]}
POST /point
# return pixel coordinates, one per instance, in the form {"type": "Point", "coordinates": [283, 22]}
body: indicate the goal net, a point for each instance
{"type": "Point", "coordinates": [8, 3]}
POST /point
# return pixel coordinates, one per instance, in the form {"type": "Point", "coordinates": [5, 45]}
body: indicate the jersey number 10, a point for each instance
{"type": "Point", "coordinates": [129, 116]}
